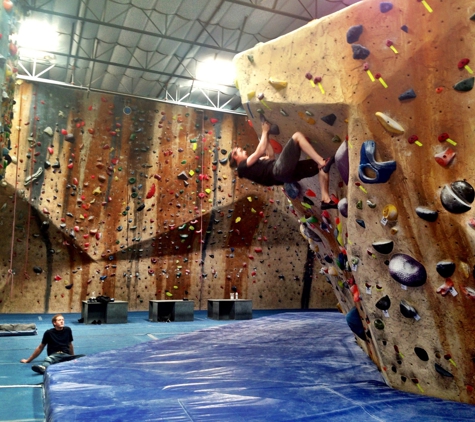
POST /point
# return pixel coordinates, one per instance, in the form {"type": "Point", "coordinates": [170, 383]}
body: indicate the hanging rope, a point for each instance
{"type": "Point", "coordinates": [201, 212]}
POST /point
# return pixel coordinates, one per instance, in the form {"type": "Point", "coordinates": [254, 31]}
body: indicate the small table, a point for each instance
{"type": "Point", "coordinates": [171, 310]}
{"type": "Point", "coordinates": [229, 309]}
{"type": "Point", "coordinates": [108, 313]}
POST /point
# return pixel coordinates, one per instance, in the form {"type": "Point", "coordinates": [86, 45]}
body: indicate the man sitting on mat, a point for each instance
{"type": "Point", "coordinates": [60, 346]}
{"type": "Point", "coordinates": [262, 168]}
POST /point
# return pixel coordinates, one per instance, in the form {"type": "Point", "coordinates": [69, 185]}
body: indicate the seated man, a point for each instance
{"type": "Point", "coordinates": [262, 168]}
{"type": "Point", "coordinates": [60, 346]}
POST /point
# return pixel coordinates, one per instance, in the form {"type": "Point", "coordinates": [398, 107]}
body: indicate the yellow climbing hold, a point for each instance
{"type": "Point", "coordinates": [253, 210]}
{"type": "Point", "coordinates": [305, 205]}
{"type": "Point", "coordinates": [175, 287]}
{"type": "Point", "coordinates": [465, 269]}
{"type": "Point", "coordinates": [389, 124]}
{"type": "Point", "coordinates": [249, 199]}
{"type": "Point", "coordinates": [238, 219]}
{"type": "Point", "coordinates": [97, 191]}
{"type": "Point", "coordinates": [277, 84]}
{"type": "Point", "coordinates": [191, 172]}
{"type": "Point", "coordinates": [169, 294]}
{"type": "Point", "coordinates": [208, 191]}
{"type": "Point", "coordinates": [251, 95]}
{"type": "Point", "coordinates": [390, 212]}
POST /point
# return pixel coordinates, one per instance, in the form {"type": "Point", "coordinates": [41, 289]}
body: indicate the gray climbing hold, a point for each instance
{"type": "Point", "coordinates": [385, 6]}
{"type": "Point", "coordinates": [354, 33]}
{"type": "Point", "coordinates": [465, 85]}
{"type": "Point", "coordinates": [406, 270]}
{"type": "Point", "coordinates": [457, 197]}
{"type": "Point", "coordinates": [409, 94]}
{"type": "Point", "coordinates": [427, 214]}
{"type": "Point", "coordinates": [360, 52]}
{"type": "Point", "coordinates": [330, 119]}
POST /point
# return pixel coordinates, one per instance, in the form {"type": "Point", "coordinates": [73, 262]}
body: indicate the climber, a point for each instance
{"type": "Point", "coordinates": [261, 166]}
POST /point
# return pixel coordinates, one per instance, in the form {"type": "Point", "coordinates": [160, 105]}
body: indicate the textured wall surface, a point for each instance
{"type": "Point", "coordinates": [402, 249]}
{"type": "Point", "coordinates": [131, 199]}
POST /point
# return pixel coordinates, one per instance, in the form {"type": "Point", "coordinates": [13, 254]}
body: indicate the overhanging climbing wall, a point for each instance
{"type": "Point", "coordinates": [133, 199]}
{"type": "Point", "coordinates": [394, 79]}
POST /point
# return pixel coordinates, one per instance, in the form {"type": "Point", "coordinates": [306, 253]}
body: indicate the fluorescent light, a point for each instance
{"type": "Point", "coordinates": [35, 37]}
{"type": "Point", "coordinates": [215, 72]}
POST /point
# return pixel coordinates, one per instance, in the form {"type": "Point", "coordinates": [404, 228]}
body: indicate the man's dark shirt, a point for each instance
{"type": "Point", "coordinates": [57, 340]}
{"type": "Point", "coordinates": [260, 172]}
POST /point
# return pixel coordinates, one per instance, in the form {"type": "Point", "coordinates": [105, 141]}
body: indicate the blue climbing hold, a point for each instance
{"type": "Point", "coordinates": [383, 170]}
{"type": "Point", "coordinates": [292, 190]}
{"type": "Point", "coordinates": [409, 94]}
{"type": "Point", "coordinates": [385, 6]}
{"type": "Point", "coordinates": [354, 322]}
{"type": "Point", "coordinates": [353, 34]}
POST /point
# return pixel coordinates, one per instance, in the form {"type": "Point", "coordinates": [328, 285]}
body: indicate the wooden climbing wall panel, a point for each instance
{"type": "Point", "coordinates": [133, 199]}
{"type": "Point", "coordinates": [393, 79]}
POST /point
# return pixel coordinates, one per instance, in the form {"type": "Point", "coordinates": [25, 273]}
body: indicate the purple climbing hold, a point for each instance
{"type": "Point", "coordinates": [353, 34]}
{"type": "Point", "coordinates": [360, 52]}
{"type": "Point", "coordinates": [406, 270]}
{"type": "Point", "coordinates": [385, 6]}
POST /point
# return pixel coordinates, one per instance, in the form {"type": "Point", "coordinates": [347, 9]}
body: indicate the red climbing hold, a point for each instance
{"type": "Point", "coordinates": [64, 132]}
{"type": "Point", "coordinates": [213, 120]}
{"type": "Point", "coordinates": [462, 63]}
{"type": "Point", "coordinates": [151, 192]}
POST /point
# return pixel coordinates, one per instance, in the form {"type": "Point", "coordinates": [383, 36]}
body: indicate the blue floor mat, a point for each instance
{"type": "Point", "coordinates": [286, 367]}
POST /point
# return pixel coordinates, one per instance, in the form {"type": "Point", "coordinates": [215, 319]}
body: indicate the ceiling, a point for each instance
{"type": "Point", "coordinates": [151, 48]}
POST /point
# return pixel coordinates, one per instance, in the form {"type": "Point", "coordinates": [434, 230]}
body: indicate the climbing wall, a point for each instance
{"type": "Point", "coordinates": [133, 199]}
{"type": "Point", "coordinates": [387, 86]}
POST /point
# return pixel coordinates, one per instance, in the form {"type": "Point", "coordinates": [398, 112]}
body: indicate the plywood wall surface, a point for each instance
{"type": "Point", "coordinates": [395, 77]}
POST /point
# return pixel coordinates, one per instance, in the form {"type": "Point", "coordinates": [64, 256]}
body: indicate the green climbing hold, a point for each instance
{"type": "Point", "coordinates": [359, 205]}
{"type": "Point", "coordinates": [132, 136]}
{"type": "Point", "coordinates": [134, 195]}
{"type": "Point", "coordinates": [183, 162]}
{"type": "Point", "coordinates": [132, 180]}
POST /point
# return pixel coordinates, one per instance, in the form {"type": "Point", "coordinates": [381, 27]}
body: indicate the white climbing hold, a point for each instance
{"type": "Point", "coordinates": [48, 131]}
{"type": "Point", "coordinates": [389, 124]}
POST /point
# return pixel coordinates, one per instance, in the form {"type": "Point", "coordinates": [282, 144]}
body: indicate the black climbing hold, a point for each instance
{"type": "Point", "coordinates": [354, 33]}
{"type": "Point", "coordinates": [330, 119]}
{"type": "Point", "coordinates": [274, 130]}
{"type": "Point", "coordinates": [472, 18]}
{"type": "Point", "coordinates": [44, 226]}
{"type": "Point", "coordinates": [457, 197]}
{"type": "Point", "coordinates": [360, 52]}
{"type": "Point", "coordinates": [445, 268]}
{"type": "Point", "coordinates": [69, 137]}
{"type": "Point", "coordinates": [421, 354]}
{"type": "Point", "coordinates": [69, 286]}
{"type": "Point", "coordinates": [442, 371]}
{"type": "Point", "coordinates": [385, 6]}
{"type": "Point", "coordinates": [343, 207]}
{"type": "Point", "coordinates": [182, 176]}
{"type": "Point", "coordinates": [465, 85]}
{"type": "Point", "coordinates": [406, 270]}
{"type": "Point", "coordinates": [410, 93]}
{"type": "Point", "coordinates": [307, 201]}
{"type": "Point", "coordinates": [224, 152]}
{"type": "Point", "coordinates": [384, 303]}
{"type": "Point", "coordinates": [427, 214]}
{"type": "Point", "coordinates": [37, 270]}
{"type": "Point", "coordinates": [119, 229]}
{"type": "Point", "coordinates": [407, 310]}
{"type": "Point", "coordinates": [405, 28]}
{"type": "Point", "coordinates": [234, 289]}
{"type": "Point", "coordinates": [223, 160]}
{"type": "Point", "coordinates": [361, 223]}
{"type": "Point", "coordinates": [383, 246]}
{"type": "Point", "coordinates": [47, 164]}
{"type": "Point", "coordinates": [140, 207]}
{"type": "Point", "coordinates": [328, 259]}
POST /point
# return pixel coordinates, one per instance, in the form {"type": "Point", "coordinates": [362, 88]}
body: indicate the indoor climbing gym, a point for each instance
{"type": "Point", "coordinates": [237, 210]}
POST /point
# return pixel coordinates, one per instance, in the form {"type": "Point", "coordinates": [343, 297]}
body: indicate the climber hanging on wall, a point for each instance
{"type": "Point", "coordinates": [262, 167]}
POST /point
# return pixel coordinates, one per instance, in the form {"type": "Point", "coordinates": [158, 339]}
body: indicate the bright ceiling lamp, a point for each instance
{"type": "Point", "coordinates": [35, 38]}
{"type": "Point", "coordinates": [215, 72]}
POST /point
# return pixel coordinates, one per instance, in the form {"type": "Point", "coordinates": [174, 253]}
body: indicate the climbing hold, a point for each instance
{"type": "Point", "coordinates": [383, 170]}
{"type": "Point", "coordinates": [132, 180]}
{"type": "Point", "coordinates": [343, 207]}
{"type": "Point", "coordinates": [463, 64]}
{"type": "Point", "coordinates": [421, 354]}
{"type": "Point", "coordinates": [354, 322]}
{"type": "Point", "coordinates": [385, 6]}
{"type": "Point", "coordinates": [277, 84]}
{"type": "Point", "coordinates": [361, 223]}
{"type": "Point", "coordinates": [379, 324]}
{"type": "Point", "coordinates": [390, 212]}
{"type": "Point", "coordinates": [336, 139]}
{"type": "Point", "coordinates": [370, 204]}
{"type": "Point", "coordinates": [353, 34]}
{"type": "Point", "coordinates": [383, 246]}
{"type": "Point", "coordinates": [360, 52]}
{"type": "Point", "coordinates": [283, 112]}
{"type": "Point", "coordinates": [384, 303]}
{"type": "Point", "coordinates": [445, 268]}
{"type": "Point", "coordinates": [407, 95]}
{"type": "Point", "coordinates": [468, 292]}
{"type": "Point", "coordinates": [342, 162]}
{"type": "Point", "coordinates": [407, 271]}
{"type": "Point", "coordinates": [445, 288]}
{"type": "Point", "coordinates": [250, 57]}
{"type": "Point", "coordinates": [274, 130]}
{"type": "Point", "coordinates": [457, 197]}
{"type": "Point", "coordinates": [182, 176]}
{"type": "Point", "coordinates": [427, 214]}
{"type": "Point", "coordinates": [445, 158]}
{"type": "Point", "coordinates": [442, 371]}
{"type": "Point", "coordinates": [37, 270]}
{"type": "Point", "coordinates": [407, 310]}
{"type": "Point", "coordinates": [329, 119]}
{"type": "Point", "coordinates": [405, 28]}
{"type": "Point", "coordinates": [389, 124]}
{"type": "Point", "coordinates": [69, 138]}
{"type": "Point", "coordinates": [140, 207]}
{"type": "Point", "coordinates": [465, 85]}
{"type": "Point", "coordinates": [292, 190]}
{"type": "Point", "coordinates": [49, 131]}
